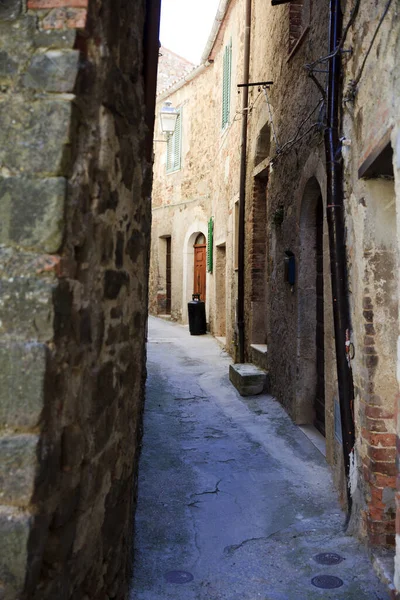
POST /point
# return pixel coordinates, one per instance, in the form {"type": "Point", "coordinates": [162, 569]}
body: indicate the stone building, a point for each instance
{"type": "Point", "coordinates": [77, 88]}
{"type": "Point", "coordinates": [320, 201]}
{"type": "Point", "coordinates": [196, 180]}
{"type": "Point", "coordinates": [371, 156]}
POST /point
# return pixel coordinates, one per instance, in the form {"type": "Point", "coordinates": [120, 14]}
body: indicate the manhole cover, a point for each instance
{"type": "Point", "coordinates": [327, 582]}
{"type": "Point", "coordinates": [178, 577]}
{"type": "Point", "coordinates": [328, 558]}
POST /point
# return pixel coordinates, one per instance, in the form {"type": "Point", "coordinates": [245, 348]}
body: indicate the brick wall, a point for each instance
{"type": "Point", "coordinates": [377, 420]}
{"type": "Point", "coordinates": [74, 234]}
{"type": "Point", "coordinates": [256, 240]}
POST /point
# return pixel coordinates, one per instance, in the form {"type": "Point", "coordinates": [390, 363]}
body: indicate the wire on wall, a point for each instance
{"type": "Point", "coordinates": [353, 14]}
{"type": "Point", "coordinates": [352, 87]}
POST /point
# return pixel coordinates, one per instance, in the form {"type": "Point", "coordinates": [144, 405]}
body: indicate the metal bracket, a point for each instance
{"type": "Point", "coordinates": [260, 83]}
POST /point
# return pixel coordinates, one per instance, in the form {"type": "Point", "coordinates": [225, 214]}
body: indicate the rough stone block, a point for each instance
{"type": "Point", "coordinates": [248, 379]}
{"type": "Point", "coordinates": [73, 447]}
{"type": "Point", "coordinates": [41, 4]}
{"type": "Point", "coordinates": [53, 71]}
{"type": "Point", "coordinates": [54, 39]}
{"type": "Point", "coordinates": [26, 308]}
{"type": "Point", "coordinates": [17, 468]}
{"type": "Point", "coordinates": [32, 212]}
{"type": "Point", "coordinates": [16, 38]}
{"type": "Point", "coordinates": [15, 526]}
{"type": "Point", "coordinates": [33, 135]}
{"type": "Point", "coordinates": [22, 370]}
{"type": "Point", "coordinates": [10, 9]}
{"type": "Point", "coordinates": [113, 282]}
{"type": "Point", "coordinates": [8, 66]}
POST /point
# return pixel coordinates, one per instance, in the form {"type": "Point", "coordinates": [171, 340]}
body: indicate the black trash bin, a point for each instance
{"type": "Point", "coordinates": [197, 316]}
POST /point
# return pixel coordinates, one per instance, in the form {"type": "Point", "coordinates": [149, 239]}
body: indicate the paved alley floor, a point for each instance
{"type": "Point", "coordinates": [234, 500]}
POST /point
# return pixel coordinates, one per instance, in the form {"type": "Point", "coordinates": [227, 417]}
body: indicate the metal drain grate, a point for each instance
{"type": "Point", "coordinates": [326, 582]}
{"type": "Point", "coordinates": [178, 577]}
{"type": "Point", "coordinates": [328, 558]}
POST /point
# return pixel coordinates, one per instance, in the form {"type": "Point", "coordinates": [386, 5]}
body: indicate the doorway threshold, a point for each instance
{"type": "Point", "coordinates": [315, 437]}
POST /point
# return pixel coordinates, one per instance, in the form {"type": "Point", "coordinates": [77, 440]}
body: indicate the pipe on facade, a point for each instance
{"type": "Point", "coordinates": [242, 184]}
{"type": "Point", "coordinates": [336, 229]}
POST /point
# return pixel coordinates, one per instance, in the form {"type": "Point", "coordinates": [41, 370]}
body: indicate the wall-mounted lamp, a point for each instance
{"type": "Point", "coordinates": [168, 118]}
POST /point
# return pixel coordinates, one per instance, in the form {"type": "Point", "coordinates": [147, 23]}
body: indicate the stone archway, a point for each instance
{"type": "Point", "coordinates": [197, 228]}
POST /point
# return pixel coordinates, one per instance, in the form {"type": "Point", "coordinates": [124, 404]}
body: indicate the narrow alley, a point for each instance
{"type": "Point", "coordinates": [234, 500]}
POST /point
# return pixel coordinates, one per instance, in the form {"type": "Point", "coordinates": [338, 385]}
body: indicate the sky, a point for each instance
{"type": "Point", "coordinates": [186, 26]}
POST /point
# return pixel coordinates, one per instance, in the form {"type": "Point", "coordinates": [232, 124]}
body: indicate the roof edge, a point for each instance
{"type": "Point", "coordinates": [219, 17]}
{"type": "Point", "coordinates": [176, 86]}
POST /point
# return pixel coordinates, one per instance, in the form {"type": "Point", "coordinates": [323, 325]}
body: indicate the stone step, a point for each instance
{"type": "Point", "coordinates": [259, 355]}
{"type": "Point", "coordinates": [248, 379]}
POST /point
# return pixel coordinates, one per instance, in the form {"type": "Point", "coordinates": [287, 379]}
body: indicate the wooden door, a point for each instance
{"type": "Point", "coordinates": [200, 258]}
{"type": "Point", "coordinates": [319, 404]}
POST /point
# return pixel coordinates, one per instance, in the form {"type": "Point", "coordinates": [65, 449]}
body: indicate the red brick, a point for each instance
{"type": "Point", "coordinates": [376, 495]}
{"type": "Point", "coordinates": [377, 540]}
{"type": "Point", "coordinates": [380, 467]}
{"type": "Point", "coordinates": [369, 329]}
{"type": "Point", "coordinates": [384, 481]}
{"type": "Point", "coordinates": [378, 412]}
{"type": "Point", "coordinates": [377, 514]}
{"type": "Point", "coordinates": [381, 527]}
{"type": "Point", "coordinates": [376, 425]}
{"type": "Point", "coordinates": [39, 4]}
{"type": "Point", "coordinates": [382, 454]}
{"type": "Point", "coordinates": [65, 18]}
{"type": "Point", "coordinates": [387, 440]}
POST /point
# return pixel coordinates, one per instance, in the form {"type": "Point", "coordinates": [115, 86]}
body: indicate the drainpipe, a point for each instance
{"type": "Point", "coordinates": [335, 219]}
{"type": "Point", "coordinates": [242, 183]}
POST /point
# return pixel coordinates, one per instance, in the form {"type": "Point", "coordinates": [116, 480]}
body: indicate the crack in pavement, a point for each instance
{"type": "Point", "coordinates": [231, 549]}
{"type": "Point", "coordinates": [215, 491]}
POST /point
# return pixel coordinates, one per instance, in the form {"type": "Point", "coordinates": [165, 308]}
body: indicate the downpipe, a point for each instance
{"type": "Point", "coordinates": [337, 247]}
{"type": "Point", "coordinates": [242, 186]}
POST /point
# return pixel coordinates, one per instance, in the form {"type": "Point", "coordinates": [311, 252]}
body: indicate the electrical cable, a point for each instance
{"type": "Point", "coordinates": [297, 137]}
{"type": "Point", "coordinates": [354, 82]}
{"type": "Point", "coordinates": [353, 14]}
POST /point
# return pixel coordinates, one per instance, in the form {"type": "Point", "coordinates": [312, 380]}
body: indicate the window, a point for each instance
{"type": "Point", "coordinates": [174, 147]}
{"type": "Point", "coordinates": [226, 84]}
{"type": "Point", "coordinates": [299, 20]}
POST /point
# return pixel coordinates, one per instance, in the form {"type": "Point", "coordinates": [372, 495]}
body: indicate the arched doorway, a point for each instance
{"type": "Point", "coordinates": [199, 267]}
{"type": "Point", "coordinates": [311, 328]}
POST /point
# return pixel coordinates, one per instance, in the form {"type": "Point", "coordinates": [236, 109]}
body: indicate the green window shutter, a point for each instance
{"type": "Point", "coordinates": [174, 147]}
{"type": "Point", "coordinates": [210, 245]}
{"type": "Point", "coordinates": [226, 83]}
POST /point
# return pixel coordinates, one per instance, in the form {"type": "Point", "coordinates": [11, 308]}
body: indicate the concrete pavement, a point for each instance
{"type": "Point", "coordinates": [234, 500]}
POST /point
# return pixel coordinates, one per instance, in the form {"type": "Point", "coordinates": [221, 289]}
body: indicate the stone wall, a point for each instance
{"type": "Point", "coordinates": [371, 111]}
{"type": "Point", "coordinates": [286, 176]}
{"type": "Point", "coordinates": [74, 233]}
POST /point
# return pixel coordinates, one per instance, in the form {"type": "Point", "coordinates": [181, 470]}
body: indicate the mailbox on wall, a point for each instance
{"type": "Point", "coordinates": [290, 267]}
